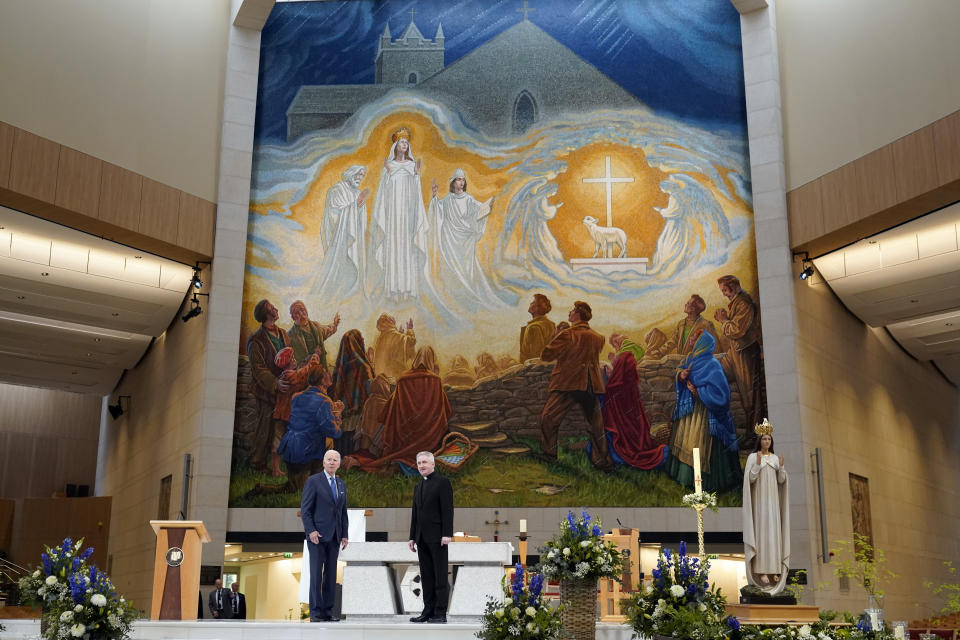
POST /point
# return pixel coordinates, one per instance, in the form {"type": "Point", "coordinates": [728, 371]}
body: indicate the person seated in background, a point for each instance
{"type": "Point", "coordinates": [460, 374]}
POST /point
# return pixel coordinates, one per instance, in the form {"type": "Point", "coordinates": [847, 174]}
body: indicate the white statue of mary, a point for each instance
{"type": "Point", "coordinates": [398, 226]}
{"type": "Point", "coordinates": [766, 515]}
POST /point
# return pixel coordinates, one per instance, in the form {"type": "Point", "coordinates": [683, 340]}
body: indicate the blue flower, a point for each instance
{"type": "Point", "coordinates": [597, 531]}
{"type": "Point", "coordinates": [47, 564]}
{"type": "Point", "coordinates": [666, 554]}
{"type": "Point", "coordinates": [78, 588]}
{"type": "Point", "coordinates": [571, 520]}
{"type": "Point", "coordinates": [683, 548]}
{"type": "Point", "coordinates": [86, 554]}
{"type": "Point", "coordinates": [656, 573]}
{"type": "Point", "coordinates": [692, 589]}
{"type": "Point", "coordinates": [733, 623]}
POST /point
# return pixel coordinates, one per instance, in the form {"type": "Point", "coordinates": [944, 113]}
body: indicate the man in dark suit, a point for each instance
{"type": "Point", "coordinates": [238, 603]}
{"type": "Point", "coordinates": [575, 380]}
{"type": "Point", "coordinates": [323, 509]}
{"type": "Point", "coordinates": [219, 602]}
{"type": "Point", "coordinates": [431, 531]}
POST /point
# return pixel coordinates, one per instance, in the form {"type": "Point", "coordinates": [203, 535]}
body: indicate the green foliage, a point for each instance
{"type": "Point", "coordinates": [795, 586]}
{"type": "Point", "coordinates": [863, 563]}
{"type": "Point", "coordinates": [488, 480]}
{"type": "Point", "coordinates": [949, 589]}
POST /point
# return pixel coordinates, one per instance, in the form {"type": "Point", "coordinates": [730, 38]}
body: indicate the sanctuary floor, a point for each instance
{"type": "Point", "coordinates": [379, 629]}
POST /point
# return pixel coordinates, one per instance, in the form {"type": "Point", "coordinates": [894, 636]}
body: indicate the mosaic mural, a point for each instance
{"type": "Point", "coordinates": [517, 234]}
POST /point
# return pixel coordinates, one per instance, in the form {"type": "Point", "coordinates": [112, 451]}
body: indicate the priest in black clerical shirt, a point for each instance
{"type": "Point", "coordinates": [431, 531]}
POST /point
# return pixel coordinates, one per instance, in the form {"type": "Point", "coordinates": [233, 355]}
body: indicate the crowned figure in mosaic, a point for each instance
{"type": "Point", "coordinates": [766, 515]}
{"type": "Point", "coordinates": [398, 226]}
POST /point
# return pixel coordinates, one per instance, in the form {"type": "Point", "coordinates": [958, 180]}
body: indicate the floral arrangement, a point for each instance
{"type": "Point", "coordinates": [78, 600]}
{"type": "Point", "coordinates": [707, 499]}
{"type": "Point", "coordinates": [680, 603]}
{"type": "Point", "coordinates": [579, 552]}
{"type": "Point", "coordinates": [523, 614]}
{"type": "Point", "coordinates": [818, 631]}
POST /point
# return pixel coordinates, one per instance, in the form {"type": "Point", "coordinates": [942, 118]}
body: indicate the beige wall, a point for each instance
{"type": "Point", "coordinates": [272, 588]}
{"type": "Point", "coordinates": [858, 74]}
{"type": "Point", "coordinates": [878, 413]}
{"type": "Point", "coordinates": [47, 439]}
{"type": "Point", "coordinates": [138, 83]}
{"type": "Point", "coordinates": [147, 443]}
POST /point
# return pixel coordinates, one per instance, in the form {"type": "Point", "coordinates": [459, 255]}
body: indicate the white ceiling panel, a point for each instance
{"type": "Point", "coordinates": [77, 310]}
{"type": "Point", "coordinates": [908, 280]}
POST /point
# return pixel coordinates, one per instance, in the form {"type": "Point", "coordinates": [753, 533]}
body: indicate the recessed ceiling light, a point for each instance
{"type": "Point", "coordinates": [73, 373]}
{"type": "Point", "coordinates": [949, 324]}
{"type": "Point", "coordinates": [914, 301]}
{"type": "Point", "coordinates": [89, 355]}
{"type": "Point", "coordinates": [138, 257]}
{"type": "Point", "coordinates": [96, 339]}
{"type": "Point", "coordinates": [115, 315]}
{"type": "Point", "coordinates": [21, 297]}
{"type": "Point", "coordinates": [44, 273]}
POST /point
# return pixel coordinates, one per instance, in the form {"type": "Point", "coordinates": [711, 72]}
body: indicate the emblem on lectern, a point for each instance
{"type": "Point", "coordinates": [174, 556]}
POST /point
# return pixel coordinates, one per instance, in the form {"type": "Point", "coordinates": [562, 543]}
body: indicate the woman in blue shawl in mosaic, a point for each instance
{"type": "Point", "coordinates": [702, 419]}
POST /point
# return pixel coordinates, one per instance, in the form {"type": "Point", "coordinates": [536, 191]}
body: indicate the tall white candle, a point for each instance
{"type": "Point", "coordinates": [523, 525]}
{"type": "Point", "coordinates": [698, 485]}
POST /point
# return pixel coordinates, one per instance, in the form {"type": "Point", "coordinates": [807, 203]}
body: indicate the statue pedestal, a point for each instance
{"type": "Point", "coordinates": [774, 614]}
{"type": "Point", "coordinates": [610, 265]}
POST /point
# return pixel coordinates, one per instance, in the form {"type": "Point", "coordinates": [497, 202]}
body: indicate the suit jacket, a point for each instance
{"type": "Point", "coordinates": [318, 510]}
{"type": "Point", "coordinates": [432, 513]}
{"type": "Point", "coordinates": [225, 598]}
{"type": "Point", "coordinates": [241, 613]}
{"type": "Point", "coordinates": [577, 353]}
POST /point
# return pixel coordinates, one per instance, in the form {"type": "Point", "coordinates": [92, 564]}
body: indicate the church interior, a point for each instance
{"type": "Point", "coordinates": [126, 151]}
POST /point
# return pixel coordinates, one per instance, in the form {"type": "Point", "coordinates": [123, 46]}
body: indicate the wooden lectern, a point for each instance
{"type": "Point", "coordinates": [176, 568]}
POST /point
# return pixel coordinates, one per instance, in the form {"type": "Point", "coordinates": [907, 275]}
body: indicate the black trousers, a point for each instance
{"type": "Point", "coordinates": [433, 574]}
{"type": "Point", "coordinates": [323, 576]}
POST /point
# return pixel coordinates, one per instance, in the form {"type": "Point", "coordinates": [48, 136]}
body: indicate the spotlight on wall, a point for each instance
{"type": "Point", "coordinates": [117, 410]}
{"type": "Point", "coordinates": [197, 282]}
{"type": "Point", "coordinates": [194, 310]}
{"type": "Point", "coordinates": [804, 259]}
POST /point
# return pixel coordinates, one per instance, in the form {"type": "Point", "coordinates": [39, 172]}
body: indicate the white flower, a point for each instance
{"type": "Point", "coordinates": [676, 591]}
{"type": "Point", "coordinates": [702, 607]}
{"type": "Point", "coordinates": [36, 574]}
{"type": "Point", "coordinates": [585, 543]}
{"type": "Point", "coordinates": [552, 554]}
{"type": "Point", "coordinates": [804, 631]}
{"type": "Point", "coordinates": [647, 588]}
{"type": "Point", "coordinates": [77, 630]}
{"type": "Point", "coordinates": [66, 616]}
{"type": "Point", "coordinates": [515, 612]}
{"type": "Point", "coordinates": [531, 611]}
{"type": "Point", "coordinates": [508, 601]}
{"type": "Point", "coordinates": [78, 608]}
{"type": "Point", "coordinates": [566, 551]}
{"type": "Point", "coordinates": [50, 581]}
{"type": "Point", "coordinates": [498, 613]}
{"type": "Point", "coordinates": [98, 600]}
{"type": "Point", "coordinates": [42, 591]}
{"type": "Point", "coordinates": [532, 628]}
{"type": "Point", "coordinates": [113, 620]}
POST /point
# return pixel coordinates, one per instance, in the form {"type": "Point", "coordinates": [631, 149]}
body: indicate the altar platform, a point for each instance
{"type": "Point", "coordinates": [397, 628]}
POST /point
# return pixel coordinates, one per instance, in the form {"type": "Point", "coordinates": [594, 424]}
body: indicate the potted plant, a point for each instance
{"type": "Point", "coordinates": [578, 556]}
{"type": "Point", "coordinates": [523, 612]}
{"type": "Point", "coordinates": [77, 599]}
{"type": "Point", "coordinates": [680, 603]}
